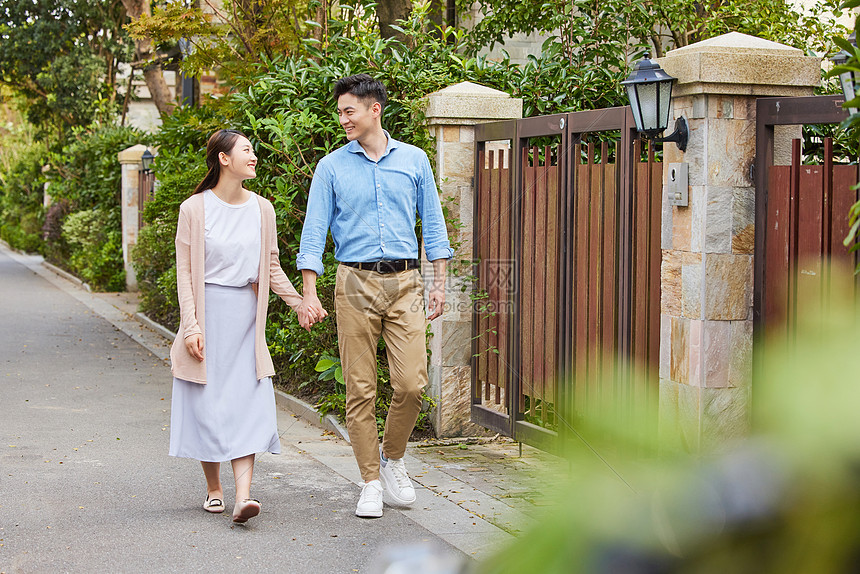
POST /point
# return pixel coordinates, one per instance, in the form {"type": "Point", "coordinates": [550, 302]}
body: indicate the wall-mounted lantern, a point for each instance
{"type": "Point", "coordinates": [146, 161]}
{"type": "Point", "coordinates": [848, 79]}
{"type": "Point", "coordinates": [650, 91]}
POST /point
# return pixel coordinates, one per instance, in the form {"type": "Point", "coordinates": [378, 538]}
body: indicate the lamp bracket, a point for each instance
{"type": "Point", "coordinates": [679, 136]}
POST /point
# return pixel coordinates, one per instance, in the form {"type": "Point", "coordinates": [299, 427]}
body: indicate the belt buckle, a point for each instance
{"type": "Point", "coordinates": [378, 267]}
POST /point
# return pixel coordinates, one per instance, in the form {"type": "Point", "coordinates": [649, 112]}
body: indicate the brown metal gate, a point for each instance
{"type": "Point", "coordinates": [803, 212]}
{"type": "Point", "coordinates": [566, 240]}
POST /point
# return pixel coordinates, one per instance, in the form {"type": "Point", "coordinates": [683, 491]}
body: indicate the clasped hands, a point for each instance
{"type": "Point", "coordinates": [310, 311]}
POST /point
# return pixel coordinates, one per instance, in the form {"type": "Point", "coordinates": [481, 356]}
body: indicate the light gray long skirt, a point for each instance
{"type": "Point", "coordinates": [233, 414]}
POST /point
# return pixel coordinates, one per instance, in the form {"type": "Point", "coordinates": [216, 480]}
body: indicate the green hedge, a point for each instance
{"type": "Point", "coordinates": [83, 229]}
{"type": "Point", "coordinates": [21, 197]}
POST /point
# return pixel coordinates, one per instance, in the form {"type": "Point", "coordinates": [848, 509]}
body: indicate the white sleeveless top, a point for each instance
{"type": "Point", "coordinates": [232, 241]}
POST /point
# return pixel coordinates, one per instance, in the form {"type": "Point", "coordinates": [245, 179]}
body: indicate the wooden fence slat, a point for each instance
{"type": "Point", "coordinates": [654, 261]}
{"type": "Point", "coordinates": [539, 294]}
{"type": "Point", "coordinates": [640, 262]}
{"type": "Point", "coordinates": [844, 177]}
{"type": "Point", "coordinates": [492, 291]}
{"type": "Point", "coordinates": [809, 240]}
{"type": "Point", "coordinates": [504, 271]}
{"type": "Point", "coordinates": [777, 252]}
{"type": "Point", "coordinates": [609, 332]}
{"type": "Point", "coordinates": [527, 284]}
{"type": "Point", "coordinates": [481, 176]}
{"type": "Point", "coordinates": [484, 206]}
{"type": "Point", "coordinates": [552, 295]}
{"type": "Point", "coordinates": [581, 292]}
{"type": "Point", "coordinates": [595, 239]}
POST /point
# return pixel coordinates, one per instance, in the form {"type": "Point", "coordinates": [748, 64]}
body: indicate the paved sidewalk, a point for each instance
{"type": "Point", "coordinates": [471, 497]}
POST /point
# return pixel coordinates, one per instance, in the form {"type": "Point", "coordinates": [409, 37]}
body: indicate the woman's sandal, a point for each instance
{"type": "Point", "coordinates": [248, 508]}
{"type": "Point", "coordinates": [215, 505]}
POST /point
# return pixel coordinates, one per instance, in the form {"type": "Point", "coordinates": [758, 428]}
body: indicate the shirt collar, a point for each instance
{"type": "Point", "coordinates": [355, 147]}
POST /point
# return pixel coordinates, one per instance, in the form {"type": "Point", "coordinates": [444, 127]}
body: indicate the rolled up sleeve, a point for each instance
{"type": "Point", "coordinates": [433, 229]}
{"type": "Point", "coordinates": [318, 218]}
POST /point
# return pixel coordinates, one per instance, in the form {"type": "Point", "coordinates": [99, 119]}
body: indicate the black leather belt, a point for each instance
{"type": "Point", "coordinates": [385, 266]}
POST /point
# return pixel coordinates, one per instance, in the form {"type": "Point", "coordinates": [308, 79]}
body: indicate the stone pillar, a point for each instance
{"type": "Point", "coordinates": [451, 115]}
{"type": "Point", "coordinates": [129, 160]}
{"type": "Point", "coordinates": [707, 268]}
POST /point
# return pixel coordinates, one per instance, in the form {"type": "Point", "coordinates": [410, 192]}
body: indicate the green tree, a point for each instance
{"type": "Point", "coordinates": [592, 31]}
{"type": "Point", "coordinates": [144, 54]}
{"type": "Point", "coordinates": [62, 56]}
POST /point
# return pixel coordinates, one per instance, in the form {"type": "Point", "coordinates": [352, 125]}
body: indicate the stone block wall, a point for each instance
{"type": "Point", "coordinates": [452, 114]}
{"type": "Point", "coordinates": [706, 339]}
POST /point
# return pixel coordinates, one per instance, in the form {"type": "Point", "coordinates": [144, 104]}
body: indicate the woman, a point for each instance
{"type": "Point", "coordinates": [223, 405]}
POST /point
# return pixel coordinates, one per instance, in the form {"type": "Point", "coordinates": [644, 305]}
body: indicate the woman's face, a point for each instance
{"type": "Point", "coordinates": [241, 160]}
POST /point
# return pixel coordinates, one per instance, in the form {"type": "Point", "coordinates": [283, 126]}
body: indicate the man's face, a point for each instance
{"type": "Point", "coordinates": [357, 117]}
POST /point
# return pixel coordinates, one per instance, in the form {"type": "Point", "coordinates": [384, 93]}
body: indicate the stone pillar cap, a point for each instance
{"type": "Point", "coordinates": [131, 154]}
{"type": "Point", "coordinates": [736, 63]}
{"type": "Point", "coordinates": [469, 101]}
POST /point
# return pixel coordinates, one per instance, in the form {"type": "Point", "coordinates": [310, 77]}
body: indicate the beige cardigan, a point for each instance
{"type": "Point", "coordinates": [190, 275]}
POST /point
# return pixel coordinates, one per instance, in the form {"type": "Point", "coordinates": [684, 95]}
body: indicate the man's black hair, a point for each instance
{"type": "Point", "coordinates": [363, 87]}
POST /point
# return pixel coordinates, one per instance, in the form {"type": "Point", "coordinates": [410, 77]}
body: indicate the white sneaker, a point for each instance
{"type": "Point", "coordinates": [370, 502]}
{"type": "Point", "coordinates": [396, 481]}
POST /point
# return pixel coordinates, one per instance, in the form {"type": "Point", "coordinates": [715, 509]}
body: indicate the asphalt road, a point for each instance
{"type": "Point", "coordinates": [86, 484]}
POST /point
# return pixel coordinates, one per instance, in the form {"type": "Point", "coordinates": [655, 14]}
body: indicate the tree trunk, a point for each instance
{"type": "Point", "coordinates": [144, 50]}
{"type": "Point", "coordinates": [388, 12]}
{"type": "Point", "coordinates": [439, 12]}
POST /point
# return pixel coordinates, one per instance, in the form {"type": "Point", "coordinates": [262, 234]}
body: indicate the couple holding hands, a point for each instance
{"type": "Point", "coordinates": [367, 194]}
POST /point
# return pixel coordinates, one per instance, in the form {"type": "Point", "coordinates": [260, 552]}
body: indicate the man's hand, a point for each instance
{"type": "Point", "coordinates": [436, 299]}
{"type": "Point", "coordinates": [194, 344]}
{"type": "Point", "coordinates": [436, 302]}
{"type": "Point", "coordinates": [311, 311]}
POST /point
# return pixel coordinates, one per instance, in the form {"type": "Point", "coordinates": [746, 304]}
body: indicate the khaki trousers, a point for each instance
{"type": "Point", "coordinates": [370, 304]}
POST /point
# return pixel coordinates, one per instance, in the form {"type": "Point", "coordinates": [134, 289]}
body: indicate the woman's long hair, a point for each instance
{"type": "Point", "coordinates": [220, 141]}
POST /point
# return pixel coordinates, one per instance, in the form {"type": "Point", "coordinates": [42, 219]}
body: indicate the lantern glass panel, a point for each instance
{"type": "Point", "coordinates": [664, 103]}
{"type": "Point", "coordinates": [648, 106]}
{"type": "Point", "coordinates": [635, 105]}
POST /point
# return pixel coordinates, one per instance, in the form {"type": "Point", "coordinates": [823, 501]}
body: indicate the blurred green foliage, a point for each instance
{"type": "Point", "coordinates": [784, 498]}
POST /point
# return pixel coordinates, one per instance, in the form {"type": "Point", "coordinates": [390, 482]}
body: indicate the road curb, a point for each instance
{"type": "Point", "coordinates": [66, 275]}
{"type": "Point", "coordinates": [157, 327]}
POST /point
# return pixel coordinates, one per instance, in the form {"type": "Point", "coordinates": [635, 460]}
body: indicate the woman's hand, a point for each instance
{"type": "Point", "coordinates": [194, 344]}
{"type": "Point", "coordinates": [311, 311]}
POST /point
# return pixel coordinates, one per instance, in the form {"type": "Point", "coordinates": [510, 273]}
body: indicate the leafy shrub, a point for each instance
{"type": "Point", "coordinates": [179, 166]}
{"type": "Point", "coordinates": [95, 249]}
{"type": "Point", "coordinates": [155, 269]}
{"type": "Point", "coordinates": [21, 212]}
{"type": "Point", "coordinates": [85, 176]}
{"type": "Point", "coordinates": [55, 246]}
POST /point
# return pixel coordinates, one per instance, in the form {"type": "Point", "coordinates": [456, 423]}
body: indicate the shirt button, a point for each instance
{"type": "Point", "coordinates": [382, 225]}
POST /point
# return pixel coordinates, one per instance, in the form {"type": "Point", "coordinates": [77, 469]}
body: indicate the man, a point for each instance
{"type": "Point", "coordinates": [367, 193]}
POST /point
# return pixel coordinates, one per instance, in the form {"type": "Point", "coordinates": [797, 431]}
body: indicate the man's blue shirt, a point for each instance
{"type": "Point", "coordinates": [370, 207]}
